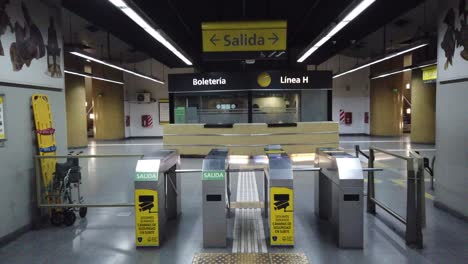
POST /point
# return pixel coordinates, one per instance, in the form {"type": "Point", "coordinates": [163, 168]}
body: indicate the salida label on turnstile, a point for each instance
{"type": "Point", "coordinates": [281, 216]}
{"type": "Point", "coordinates": [146, 218]}
{"type": "Point", "coordinates": [213, 175]}
{"type": "Point", "coordinates": [146, 176]}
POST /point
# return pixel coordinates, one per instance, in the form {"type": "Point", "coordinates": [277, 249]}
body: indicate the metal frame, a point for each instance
{"type": "Point", "coordinates": [39, 187]}
{"type": "Point", "coordinates": [415, 195]}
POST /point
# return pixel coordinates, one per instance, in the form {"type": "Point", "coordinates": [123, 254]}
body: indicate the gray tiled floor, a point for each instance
{"type": "Point", "coordinates": [107, 235]}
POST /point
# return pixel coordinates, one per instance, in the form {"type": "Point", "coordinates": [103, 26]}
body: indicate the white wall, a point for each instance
{"type": "Point", "coordinates": [136, 111]}
{"type": "Point", "coordinates": [350, 93]}
{"type": "Point", "coordinates": [134, 85]}
{"type": "Point", "coordinates": [17, 177]}
{"type": "Point", "coordinates": [451, 167]}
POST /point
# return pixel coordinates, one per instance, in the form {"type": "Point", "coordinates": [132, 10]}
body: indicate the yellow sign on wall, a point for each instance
{"type": "Point", "coordinates": [2, 120]}
{"type": "Point", "coordinates": [429, 73]}
{"type": "Point", "coordinates": [146, 218]}
{"type": "Point", "coordinates": [244, 36]}
{"type": "Point", "coordinates": [281, 216]}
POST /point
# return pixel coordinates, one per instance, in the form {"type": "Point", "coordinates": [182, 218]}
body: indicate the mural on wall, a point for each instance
{"type": "Point", "coordinates": [53, 51]}
{"type": "Point", "coordinates": [30, 43]}
{"type": "Point", "coordinates": [5, 22]}
{"type": "Point", "coordinates": [456, 34]}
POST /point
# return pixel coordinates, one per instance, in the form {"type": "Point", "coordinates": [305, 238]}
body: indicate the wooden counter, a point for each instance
{"type": "Point", "coordinates": [250, 139]}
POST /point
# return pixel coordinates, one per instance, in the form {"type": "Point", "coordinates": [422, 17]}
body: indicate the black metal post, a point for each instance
{"type": "Point", "coordinates": [370, 184]}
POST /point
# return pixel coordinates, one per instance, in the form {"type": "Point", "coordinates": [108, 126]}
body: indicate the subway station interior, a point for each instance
{"type": "Point", "coordinates": [260, 131]}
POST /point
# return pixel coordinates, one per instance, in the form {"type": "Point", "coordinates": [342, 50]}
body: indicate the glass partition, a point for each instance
{"type": "Point", "coordinates": [212, 108]}
{"type": "Point", "coordinates": [271, 107]}
{"type": "Point", "coordinates": [275, 107]}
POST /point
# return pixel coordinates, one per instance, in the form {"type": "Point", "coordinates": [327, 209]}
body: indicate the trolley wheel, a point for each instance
{"type": "Point", "coordinates": [83, 212]}
{"type": "Point", "coordinates": [69, 218]}
{"type": "Point", "coordinates": [57, 218]}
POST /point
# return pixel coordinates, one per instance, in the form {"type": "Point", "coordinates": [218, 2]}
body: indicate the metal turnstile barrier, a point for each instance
{"type": "Point", "coordinates": [215, 195]}
{"type": "Point", "coordinates": [339, 195]}
{"type": "Point", "coordinates": [415, 203]}
{"type": "Point", "coordinates": [279, 197]}
{"type": "Point", "coordinates": [157, 196]}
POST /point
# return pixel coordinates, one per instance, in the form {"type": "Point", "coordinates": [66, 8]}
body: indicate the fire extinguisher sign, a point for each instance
{"type": "Point", "coordinates": [346, 117]}
{"type": "Point", "coordinates": [147, 121]}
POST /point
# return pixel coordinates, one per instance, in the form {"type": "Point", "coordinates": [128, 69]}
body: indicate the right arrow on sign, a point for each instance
{"type": "Point", "coordinates": [275, 38]}
{"type": "Point", "coordinates": [213, 39]}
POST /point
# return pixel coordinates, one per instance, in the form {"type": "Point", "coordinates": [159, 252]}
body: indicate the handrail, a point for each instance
{"type": "Point", "coordinates": [359, 151]}
{"type": "Point", "coordinates": [91, 156]}
{"type": "Point", "coordinates": [39, 188]}
{"type": "Point", "coordinates": [262, 169]}
{"type": "Point", "coordinates": [415, 202]}
{"type": "Point", "coordinates": [390, 153]}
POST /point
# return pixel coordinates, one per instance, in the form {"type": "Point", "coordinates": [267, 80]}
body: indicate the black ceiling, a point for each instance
{"type": "Point", "coordinates": [181, 21]}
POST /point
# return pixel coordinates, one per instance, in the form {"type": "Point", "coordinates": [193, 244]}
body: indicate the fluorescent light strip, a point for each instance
{"type": "Point", "coordinates": [404, 70]}
{"type": "Point", "coordinates": [149, 29]}
{"type": "Point", "coordinates": [348, 18]}
{"type": "Point", "coordinates": [92, 77]}
{"type": "Point", "coordinates": [115, 66]}
{"type": "Point", "coordinates": [380, 60]}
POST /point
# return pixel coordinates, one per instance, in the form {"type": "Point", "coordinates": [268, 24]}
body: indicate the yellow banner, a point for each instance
{"type": "Point", "coordinates": [281, 216]}
{"type": "Point", "coordinates": [244, 36]}
{"type": "Point", "coordinates": [146, 218]}
{"type": "Point", "coordinates": [2, 126]}
{"type": "Point", "coordinates": [429, 73]}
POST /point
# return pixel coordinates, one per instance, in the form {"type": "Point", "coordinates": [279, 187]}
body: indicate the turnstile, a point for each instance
{"type": "Point", "coordinates": [279, 197]}
{"type": "Point", "coordinates": [215, 193]}
{"type": "Point", "coordinates": [339, 195]}
{"type": "Point", "coordinates": [157, 196]}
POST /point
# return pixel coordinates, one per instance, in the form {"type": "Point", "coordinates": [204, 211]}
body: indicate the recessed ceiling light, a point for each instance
{"type": "Point", "coordinates": [408, 86]}
{"type": "Point", "coordinates": [92, 77]}
{"type": "Point", "coordinates": [115, 66]}
{"type": "Point", "coordinates": [133, 15]}
{"type": "Point", "coordinates": [363, 5]}
{"type": "Point", "coordinates": [380, 60]}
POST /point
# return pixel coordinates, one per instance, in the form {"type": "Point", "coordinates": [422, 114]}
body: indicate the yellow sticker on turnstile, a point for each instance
{"type": "Point", "coordinates": [281, 216]}
{"type": "Point", "coordinates": [146, 218]}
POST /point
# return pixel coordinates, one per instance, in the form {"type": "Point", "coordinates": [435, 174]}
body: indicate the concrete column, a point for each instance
{"type": "Point", "coordinates": [451, 166]}
{"type": "Point", "coordinates": [108, 101]}
{"type": "Point", "coordinates": [75, 98]}
{"type": "Point", "coordinates": [422, 109]}
{"type": "Point", "coordinates": [386, 100]}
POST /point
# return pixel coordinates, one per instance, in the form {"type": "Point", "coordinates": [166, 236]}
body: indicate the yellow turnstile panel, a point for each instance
{"type": "Point", "coordinates": [146, 218]}
{"type": "Point", "coordinates": [281, 216]}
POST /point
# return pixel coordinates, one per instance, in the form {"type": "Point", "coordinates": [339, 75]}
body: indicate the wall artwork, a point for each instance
{"type": "Point", "coordinates": [5, 23]}
{"type": "Point", "coordinates": [30, 43]}
{"type": "Point", "coordinates": [456, 34]}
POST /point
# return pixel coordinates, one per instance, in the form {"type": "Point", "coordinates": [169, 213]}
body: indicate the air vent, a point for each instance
{"type": "Point", "coordinates": [92, 28]}
{"type": "Point", "coordinates": [400, 23]}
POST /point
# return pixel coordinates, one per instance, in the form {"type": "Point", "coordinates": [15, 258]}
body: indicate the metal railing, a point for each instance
{"type": "Point", "coordinates": [415, 195]}
{"type": "Point", "coordinates": [41, 201]}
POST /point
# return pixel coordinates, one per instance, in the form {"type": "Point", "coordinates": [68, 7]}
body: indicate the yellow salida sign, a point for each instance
{"type": "Point", "coordinates": [244, 36]}
{"type": "Point", "coordinates": [146, 218]}
{"type": "Point", "coordinates": [281, 216]}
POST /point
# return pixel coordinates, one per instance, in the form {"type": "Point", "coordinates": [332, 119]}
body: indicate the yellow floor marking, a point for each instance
{"type": "Point", "coordinates": [375, 181]}
{"type": "Point", "coordinates": [402, 183]}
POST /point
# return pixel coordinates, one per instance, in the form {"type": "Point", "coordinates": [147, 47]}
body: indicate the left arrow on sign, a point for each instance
{"type": "Point", "coordinates": [275, 39]}
{"type": "Point", "coordinates": [213, 39]}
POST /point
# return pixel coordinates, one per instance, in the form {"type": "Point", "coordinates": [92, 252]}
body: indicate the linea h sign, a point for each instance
{"type": "Point", "coordinates": [244, 36]}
